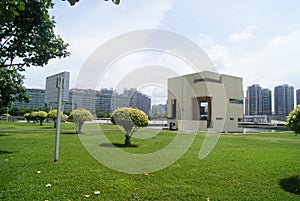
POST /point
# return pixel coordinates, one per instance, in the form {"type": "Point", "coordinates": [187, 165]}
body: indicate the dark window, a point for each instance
{"type": "Point", "coordinates": [236, 101]}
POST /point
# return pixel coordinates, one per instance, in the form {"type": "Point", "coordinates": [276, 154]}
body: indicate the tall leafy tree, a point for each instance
{"type": "Point", "coordinates": [27, 39]}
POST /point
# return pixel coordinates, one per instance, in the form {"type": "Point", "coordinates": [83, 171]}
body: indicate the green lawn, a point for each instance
{"type": "Point", "coordinates": [241, 167]}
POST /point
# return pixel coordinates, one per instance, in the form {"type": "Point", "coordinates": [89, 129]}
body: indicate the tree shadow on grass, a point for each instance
{"type": "Point", "coordinates": [5, 152]}
{"type": "Point", "coordinates": [291, 184]}
{"type": "Point", "coordinates": [119, 145]}
{"type": "Point", "coordinates": [2, 135]}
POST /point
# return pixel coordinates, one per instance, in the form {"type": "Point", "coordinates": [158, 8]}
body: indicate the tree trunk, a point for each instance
{"type": "Point", "coordinates": [79, 126]}
{"type": "Point", "coordinates": [54, 120]}
{"type": "Point", "coordinates": [127, 139]}
{"type": "Point", "coordinates": [41, 122]}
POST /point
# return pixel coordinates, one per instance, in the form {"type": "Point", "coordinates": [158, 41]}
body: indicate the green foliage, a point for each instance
{"type": "Point", "coordinates": [52, 114]}
{"type": "Point", "coordinates": [12, 88]}
{"type": "Point", "coordinates": [27, 39]}
{"type": "Point", "coordinates": [130, 119]}
{"type": "Point", "coordinates": [293, 120]}
{"type": "Point", "coordinates": [27, 34]}
{"type": "Point", "coordinates": [73, 2]}
{"type": "Point", "coordinates": [79, 116]}
{"type": "Point", "coordinates": [28, 116]}
{"type": "Point", "coordinates": [41, 115]}
{"type": "Point", "coordinates": [8, 115]}
{"type": "Point", "coordinates": [102, 114]}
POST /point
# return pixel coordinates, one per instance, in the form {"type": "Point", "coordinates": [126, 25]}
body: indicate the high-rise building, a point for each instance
{"type": "Point", "coordinates": [298, 96]}
{"type": "Point", "coordinates": [131, 98]}
{"type": "Point", "coordinates": [283, 99]}
{"type": "Point", "coordinates": [254, 100]}
{"type": "Point", "coordinates": [259, 101]}
{"type": "Point", "coordinates": [105, 100]}
{"type": "Point", "coordinates": [51, 92]}
{"type": "Point", "coordinates": [37, 100]}
{"type": "Point", "coordinates": [266, 100]}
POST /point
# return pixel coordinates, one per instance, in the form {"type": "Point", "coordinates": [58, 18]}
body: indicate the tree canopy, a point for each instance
{"type": "Point", "coordinates": [79, 116]}
{"type": "Point", "coordinates": [52, 114]}
{"type": "Point", "coordinates": [12, 88]}
{"type": "Point", "coordinates": [73, 2]}
{"type": "Point", "coordinates": [27, 34]}
{"type": "Point", "coordinates": [40, 115]}
{"type": "Point", "coordinates": [27, 39]}
{"type": "Point", "coordinates": [130, 119]}
{"type": "Point", "coordinates": [293, 120]}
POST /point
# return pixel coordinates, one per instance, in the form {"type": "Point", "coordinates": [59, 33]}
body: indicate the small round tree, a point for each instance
{"type": "Point", "coordinates": [130, 119]}
{"type": "Point", "coordinates": [293, 120]}
{"type": "Point", "coordinates": [41, 115]}
{"type": "Point", "coordinates": [27, 116]}
{"type": "Point", "coordinates": [52, 114]}
{"type": "Point", "coordinates": [79, 116]}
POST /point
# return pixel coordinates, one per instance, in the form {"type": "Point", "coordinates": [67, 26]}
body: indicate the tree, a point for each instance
{"type": "Point", "coordinates": [293, 120]}
{"type": "Point", "coordinates": [28, 116]}
{"type": "Point", "coordinates": [41, 115]}
{"type": "Point", "coordinates": [73, 2]}
{"type": "Point", "coordinates": [27, 34]}
{"type": "Point", "coordinates": [27, 39]}
{"type": "Point", "coordinates": [12, 88]}
{"type": "Point", "coordinates": [102, 114]}
{"type": "Point", "coordinates": [79, 116]}
{"type": "Point", "coordinates": [53, 115]}
{"type": "Point", "coordinates": [130, 119]}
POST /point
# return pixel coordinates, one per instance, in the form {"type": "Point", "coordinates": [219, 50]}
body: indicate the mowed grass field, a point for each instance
{"type": "Point", "coordinates": [263, 166]}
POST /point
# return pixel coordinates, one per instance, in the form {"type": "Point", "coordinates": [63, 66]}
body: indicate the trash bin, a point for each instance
{"type": "Point", "coordinates": [172, 126]}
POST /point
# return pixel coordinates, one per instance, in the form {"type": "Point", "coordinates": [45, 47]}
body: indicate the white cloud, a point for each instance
{"type": "Point", "coordinates": [205, 40]}
{"type": "Point", "coordinates": [243, 36]}
{"type": "Point", "coordinates": [89, 24]}
{"type": "Point", "coordinates": [274, 64]}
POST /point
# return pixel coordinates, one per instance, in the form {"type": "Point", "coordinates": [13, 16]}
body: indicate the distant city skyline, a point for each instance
{"type": "Point", "coordinates": [281, 100]}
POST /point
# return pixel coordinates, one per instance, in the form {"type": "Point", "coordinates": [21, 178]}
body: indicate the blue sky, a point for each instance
{"type": "Point", "coordinates": [256, 40]}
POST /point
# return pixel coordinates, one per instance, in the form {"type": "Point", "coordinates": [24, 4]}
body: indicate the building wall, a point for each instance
{"type": "Point", "coordinates": [37, 99]}
{"type": "Point", "coordinates": [254, 99]}
{"type": "Point", "coordinates": [51, 90]}
{"type": "Point", "coordinates": [259, 100]}
{"type": "Point", "coordinates": [131, 98]}
{"type": "Point", "coordinates": [266, 96]}
{"type": "Point", "coordinates": [222, 93]}
{"type": "Point", "coordinates": [283, 99]}
{"type": "Point", "coordinates": [298, 96]}
{"type": "Point", "coordinates": [85, 98]}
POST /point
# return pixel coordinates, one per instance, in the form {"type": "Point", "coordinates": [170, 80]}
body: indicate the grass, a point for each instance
{"type": "Point", "coordinates": [262, 166]}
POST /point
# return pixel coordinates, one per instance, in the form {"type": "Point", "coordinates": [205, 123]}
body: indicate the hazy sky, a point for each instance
{"type": "Point", "coordinates": [257, 40]}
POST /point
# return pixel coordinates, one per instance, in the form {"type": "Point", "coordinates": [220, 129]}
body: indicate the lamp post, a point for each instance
{"type": "Point", "coordinates": [59, 86]}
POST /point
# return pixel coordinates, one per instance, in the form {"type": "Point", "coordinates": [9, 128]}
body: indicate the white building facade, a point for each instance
{"type": "Point", "coordinates": [205, 101]}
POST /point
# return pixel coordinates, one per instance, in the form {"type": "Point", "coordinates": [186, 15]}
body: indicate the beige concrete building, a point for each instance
{"type": "Point", "coordinates": [205, 101]}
